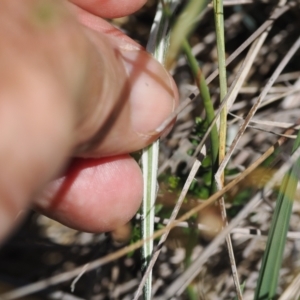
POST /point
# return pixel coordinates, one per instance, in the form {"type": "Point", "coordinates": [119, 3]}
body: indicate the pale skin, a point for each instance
{"type": "Point", "coordinates": [76, 97]}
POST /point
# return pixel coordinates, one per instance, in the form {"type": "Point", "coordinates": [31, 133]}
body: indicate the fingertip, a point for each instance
{"type": "Point", "coordinates": [96, 195]}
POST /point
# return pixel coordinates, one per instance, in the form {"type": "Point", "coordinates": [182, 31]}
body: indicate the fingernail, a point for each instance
{"type": "Point", "coordinates": [153, 93]}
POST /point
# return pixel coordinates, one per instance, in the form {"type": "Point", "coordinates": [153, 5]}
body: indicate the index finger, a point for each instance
{"type": "Point", "coordinates": [110, 8]}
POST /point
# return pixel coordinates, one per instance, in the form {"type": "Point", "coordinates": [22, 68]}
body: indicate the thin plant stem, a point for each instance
{"type": "Point", "coordinates": [204, 92]}
{"type": "Point", "coordinates": [219, 24]}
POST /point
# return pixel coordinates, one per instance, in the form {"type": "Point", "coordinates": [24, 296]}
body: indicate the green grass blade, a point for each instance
{"type": "Point", "coordinates": [219, 23]}
{"type": "Point", "coordinates": [272, 259]}
{"type": "Point", "coordinates": [149, 163]}
{"type": "Point", "coordinates": [157, 45]}
{"type": "Point", "coordinates": [219, 176]}
{"type": "Point", "coordinates": [184, 25]}
{"type": "Point", "coordinates": [204, 92]}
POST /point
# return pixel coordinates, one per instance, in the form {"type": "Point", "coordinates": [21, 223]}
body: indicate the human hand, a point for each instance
{"type": "Point", "coordinates": [73, 86]}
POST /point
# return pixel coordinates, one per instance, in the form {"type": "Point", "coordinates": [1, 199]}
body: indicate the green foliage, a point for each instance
{"type": "Point", "coordinates": [239, 201]}
{"type": "Point", "coordinates": [192, 294]}
{"type": "Point", "coordinates": [230, 172]}
{"type": "Point", "coordinates": [205, 95]}
{"type": "Point", "coordinates": [158, 208]}
{"type": "Point", "coordinates": [206, 162]}
{"type": "Point", "coordinates": [183, 27]}
{"type": "Point", "coordinates": [135, 236]}
{"type": "Point", "coordinates": [173, 182]}
{"type": "Point", "coordinates": [272, 259]}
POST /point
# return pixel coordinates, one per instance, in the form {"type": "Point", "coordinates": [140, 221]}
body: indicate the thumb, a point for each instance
{"type": "Point", "coordinates": [70, 90]}
{"type": "Point", "coordinates": [135, 95]}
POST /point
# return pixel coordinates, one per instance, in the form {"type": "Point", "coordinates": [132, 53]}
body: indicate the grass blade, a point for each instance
{"type": "Point", "coordinates": [183, 27]}
{"type": "Point", "coordinates": [204, 92]}
{"type": "Point", "coordinates": [157, 45]}
{"type": "Point", "coordinates": [219, 21]}
{"type": "Point", "coordinates": [150, 164]}
{"type": "Point", "coordinates": [272, 259]}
